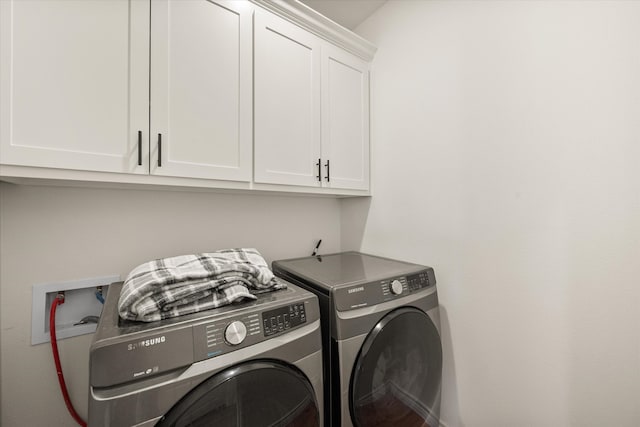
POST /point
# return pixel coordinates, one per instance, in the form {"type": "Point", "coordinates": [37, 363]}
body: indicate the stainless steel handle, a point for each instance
{"type": "Point", "coordinates": [139, 148]}
{"type": "Point", "coordinates": [328, 171]}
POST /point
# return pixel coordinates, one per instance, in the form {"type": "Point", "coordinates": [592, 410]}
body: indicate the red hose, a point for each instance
{"type": "Point", "coordinates": [56, 357]}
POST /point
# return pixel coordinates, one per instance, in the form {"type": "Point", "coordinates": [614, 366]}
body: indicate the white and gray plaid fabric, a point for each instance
{"type": "Point", "coordinates": [180, 285]}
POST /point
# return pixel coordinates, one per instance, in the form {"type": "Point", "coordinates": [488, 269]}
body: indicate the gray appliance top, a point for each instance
{"type": "Point", "coordinates": [345, 269]}
{"type": "Point", "coordinates": [124, 351]}
{"type": "Point", "coordinates": [354, 280]}
{"type": "Point", "coordinates": [112, 326]}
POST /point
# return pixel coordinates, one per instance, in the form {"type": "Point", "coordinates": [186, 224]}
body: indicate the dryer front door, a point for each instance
{"type": "Point", "coordinates": [397, 374]}
{"type": "Point", "coordinates": [255, 394]}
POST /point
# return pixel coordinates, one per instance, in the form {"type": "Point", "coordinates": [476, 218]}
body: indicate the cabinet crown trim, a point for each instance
{"type": "Point", "coordinates": [318, 24]}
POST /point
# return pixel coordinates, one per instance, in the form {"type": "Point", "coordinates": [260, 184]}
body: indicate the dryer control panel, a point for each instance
{"type": "Point", "coordinates": [380, 291]}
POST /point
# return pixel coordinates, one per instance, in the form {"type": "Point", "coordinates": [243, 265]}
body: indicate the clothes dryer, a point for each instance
{"type": "Point", "coordinates": [254, 364]}
{"type": "Point", "coordinates": [381, 338]}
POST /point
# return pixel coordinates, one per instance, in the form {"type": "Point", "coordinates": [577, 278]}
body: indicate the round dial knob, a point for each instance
{"type": "Point", "coordinates": [235, 332]}
{"type": "Point", "coordinates": [396, 287]}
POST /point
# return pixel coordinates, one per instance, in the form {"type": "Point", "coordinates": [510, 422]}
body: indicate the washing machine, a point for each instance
{"type": "Point", "coordinates": [254, 364]}
{"type": "Point", "coordinates": [381, 338]}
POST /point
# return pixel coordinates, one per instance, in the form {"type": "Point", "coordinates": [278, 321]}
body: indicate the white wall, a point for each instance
{"type": "Point", "coordinates": [50, 234]}
{"type": "Point", "coordinates": [506, 150]}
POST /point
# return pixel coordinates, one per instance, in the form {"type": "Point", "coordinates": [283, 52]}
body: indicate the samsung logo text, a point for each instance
{"type": "Point", "coordinates": [146, 343]}
{"type": "Point", "coordinates": [354, 290]}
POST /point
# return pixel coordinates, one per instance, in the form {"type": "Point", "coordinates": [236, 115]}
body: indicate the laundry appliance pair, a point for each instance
{"type": "Point", "coordinates": [353, 341]}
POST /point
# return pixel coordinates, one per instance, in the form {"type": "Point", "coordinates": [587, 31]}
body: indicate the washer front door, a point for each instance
{"type": "Point", "coordinates": [396, 377]}
{"type": "Point", "coordinates": [254, 394]}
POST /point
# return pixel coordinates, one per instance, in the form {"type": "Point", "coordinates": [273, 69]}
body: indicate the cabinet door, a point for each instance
{"type": "Point", "coordinates": [201, 88]}
{"type": "Point", "coordinates": [287, 103]}
{"type": "Point", "coordinates": [74, 84]}
{"type": "Point", "coordinates": [345, 120]}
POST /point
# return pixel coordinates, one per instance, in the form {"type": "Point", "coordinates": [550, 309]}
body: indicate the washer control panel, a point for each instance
{"type": "Point", "coordinates": [235, 332]}
{"type": "Point", "coordinates": [283, 318]}
{"type": "Point", "coordinates": [396, 287]}
{"type": "Point", "coordinates": [217, 337]}
{"type": "Point", "coordinates": [376, 292]}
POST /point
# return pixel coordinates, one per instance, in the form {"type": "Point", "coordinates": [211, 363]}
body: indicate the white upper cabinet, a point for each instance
{"type": "Point", "coordinates": [77, 76]}
{"type": "Point", "coordinates": [74, 84]}
{"type": "Point", "coordinates": [287, 102]}
{"type": "Point", "coordinates": [345, 119]}
{"type": "Point", "coordinates": [201, 89]}
{"type": "Point", "coordinates": [252, 95]}
{"type": "Point", "coordinates": [311, 109]}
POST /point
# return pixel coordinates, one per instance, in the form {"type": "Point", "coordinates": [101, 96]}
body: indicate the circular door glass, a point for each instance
{"type": "Point", "coordinates": [257, 394]}
{"type": "Point", "coordinates": [396, 378]}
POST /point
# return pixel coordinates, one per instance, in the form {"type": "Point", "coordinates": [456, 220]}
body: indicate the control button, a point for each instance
{"type": "Point", "coordinates": [235, 332]}
{"type": "Point", "coordinates": [287, 325]}
{"type": "Point", "coordinates": [396, 287]}
{"type": "Point", "coordinates": [280, 323]}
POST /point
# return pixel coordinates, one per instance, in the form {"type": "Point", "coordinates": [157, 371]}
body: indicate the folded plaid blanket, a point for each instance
{"type": "Point", "coordinates": [180, 285]}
